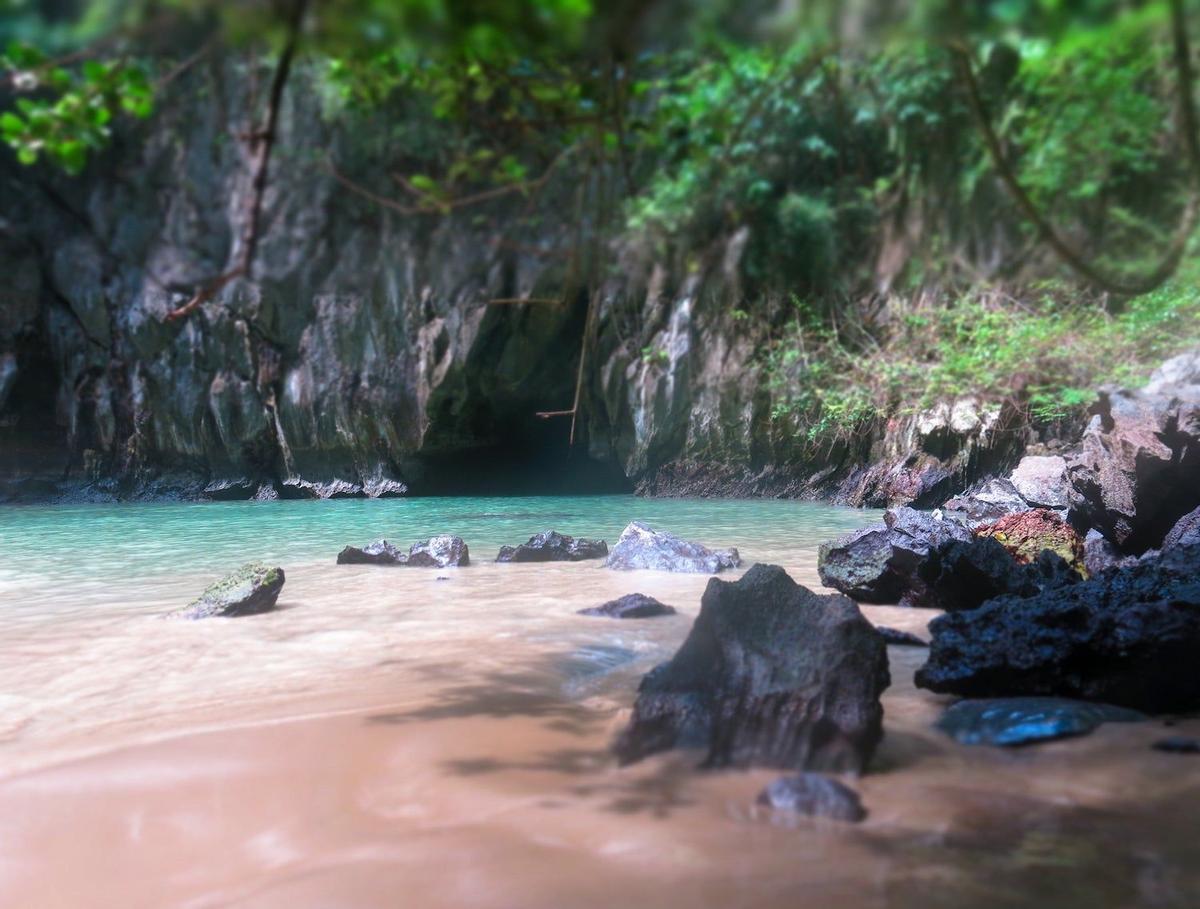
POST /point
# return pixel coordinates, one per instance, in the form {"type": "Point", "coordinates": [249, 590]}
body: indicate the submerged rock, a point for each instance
{"type": "Point", "coordinates": [814, 795]}
{"type": "Point", "coordinates": [251, 589]}
{"type": "Point", "coordinates": [630, 606]}
{"type": "Point", "coordinates": [552, 546]}
{"type": "Point", "coordinates": [1027, 534]}
{"type": "Point", "coordinates": [437, 552]}
{"type": "Point", "coordinates": [1178, 744]}
{"type": "Point", "coordinates": [1138, 470]}
{"type": "Point", "coordinates": [771, 675]}
{"type": "Point", "coordinates": [960, 576]}
{"type": "Point", "coordinates": [1128, 636]}
{"type": "Point", "coordinates": [642, 547]}
{"type": "Point", "coordinates": [1022, 721]}
{"type": "Point", "coordinates": [894, 637]}
{"type": "Point", "coordinates": [879, 564]}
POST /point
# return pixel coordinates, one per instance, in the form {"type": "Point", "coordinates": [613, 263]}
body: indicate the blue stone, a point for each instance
{"type": "Point", "coordinates": [1022, 721]}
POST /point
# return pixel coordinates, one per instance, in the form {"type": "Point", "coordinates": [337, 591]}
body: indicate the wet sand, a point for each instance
{"type": "Point", "coordinates": [389, 740]}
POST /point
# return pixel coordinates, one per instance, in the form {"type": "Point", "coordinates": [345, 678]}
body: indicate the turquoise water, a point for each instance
{"type": "Point", "coordinates": [110, 542]}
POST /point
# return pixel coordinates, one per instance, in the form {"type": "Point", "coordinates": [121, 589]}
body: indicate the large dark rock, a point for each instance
{"type": "Point", "coordinates": [962, 575]}
{"type": "Point", "coordinates": [1186, 532]}
{"type": "Point", "coordinates": [437, 552]}
{"type": "Point", "coordinates": [642, 547]}
{"type": "Point", "coordinates": [1138, 470]}
{"type": "Point", "coordinates": [1128, 636]}
{"type": "Point", "coordinates": [1023, 721]}
{"type": "Point", "coordinates": [552, 546]}
{"type": "Point", "coordinates": [771, 675]}
{"type": "Point", "coordinates": [630, 606]}
{"type": "Point", "coordinates": [814, 795]}
{"type": "Point", "coordinates": [879, 564]}
{"type": "Point", "coordinates": [251, 589]}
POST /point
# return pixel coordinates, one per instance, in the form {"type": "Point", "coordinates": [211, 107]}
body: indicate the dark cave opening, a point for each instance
{"type": "Point", "coordinates": [31, 440]}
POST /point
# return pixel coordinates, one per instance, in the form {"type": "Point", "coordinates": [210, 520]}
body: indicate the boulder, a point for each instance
{"type": "Point", "coordinates": [770, 675]}
{"type": "Point", "coordinates": [1100, 555]}
{"type": "Point", "coordinates": [642, 547]}
{"type": "Point", "coordinates": [552, 546]}
{"type": "Point", "coordinates": [1023, 721]}
{"type": "Point", "coordinates": [437, 552]}
{"type": "Point", "coordinates": [986, 504]}
{"type": "Point", "coordinates": [251, 589]}
{"type": "Point", "coordinates": [1128, 636]}
{"type": "Point", "coordinates": [894, 637]}
{"type": "Point", "coordinates": [1042, 481]}
{"type": "Point", "coordinates": [1186, 532]}
{"type": "Point", "coordinates": [630, 606]}
{"type": "Point", "coordinates": [814, 795]}
{"type": "Point", "coordinates": [1027, 534]}
{"type": "Point", "coordinates": [879, 563]}
{"type": "Point", "coordinates": [961, 575]}
{"type": "Point", "coordinates": [1138, 469]}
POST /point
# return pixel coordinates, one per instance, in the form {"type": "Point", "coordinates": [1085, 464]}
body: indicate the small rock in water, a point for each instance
{"type": "Point", "coordinates": [1023, 721]}
{"type": "Point", "coordinates": [630, 606]}
{"type": "Point", "coordinates": [815, 795]}
{"type": "Point", "coordinates": [1178, 744]}
{"type": "Point", "coordinates": [642, 547]}
{"type": "Point", "coordinates": [251, 589]}
{"type": "Point", "coordinates": [898, 638]}
{"type": "Point", "coordinates": [436, 552]}
{"type": "Point", "coordinates": [552, 546]}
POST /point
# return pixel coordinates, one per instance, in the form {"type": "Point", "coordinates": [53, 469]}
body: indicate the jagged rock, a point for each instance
{"type": "Point", "coordinates": [551, 546]}
{"type": "Point", "coordinates": [630, 606]}
{"type": "Point", "coordinates": [894, 637]}
{"type": "Point", "coordinates": [1138, 470]}
{"type": "Point", "coordinates": [879, 563]}
{"type": "Point", "coordinates": [1186, 532]}
{"type": "Point", "coordinates": [299, 488]}
{"type": "Point", "coordinates": [1023, 721]}
{"type": "Point", "coordinates": [771, 675]}
{"type": "Point", "coordinates": [377, 552]}
{"type": "Point", "coordinates": [640, 547]}
{"type": "Point", "coordinates": [1100, 555]}
{"type": "Point", "coordinates": [1177, 744]}
{"type": "Point", "coordinates": [960, 575]}
{"type": "Point", "coordinates": [437, 552]}
{"type": "Point", "coordinates": [1128, 636]}
{"type": "Point", "coordinates": [814, 795]}
{"type": "Point", "coordinates": [251, 589]}
{"type": "Point", "coordinates": [230, 489]}
{"type": "Point", "coordinates": [1042, 481]}
{"type": "Point", "coordinates": [1027, 534]}
{"type": "Point", "coordinates": [986, 504]}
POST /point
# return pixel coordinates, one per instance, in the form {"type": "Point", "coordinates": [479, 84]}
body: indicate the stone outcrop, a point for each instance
{"type": "Point", "coordinates": [879, 564]}
{"type": "Point", "coordinates": [252, 589]}
{"type": "Point", "coordinates": [1138, 469]}
{"type": "Point", "coordinates": [552, 546]}
{"type": "Point", "coordinates": [641, 547]}
{"type": "Point", "coordinates": [1024, 721]}
{"type": "Point", "coordinates": [630, 606]}
{"type": "Point", "coordinates": [1127, 637]}
{"type": "Point", "coordinates": [814, 795]}
{"type": "Point", "coordinates": [443, 551]}
{"type": "Point", "coordinates": [771, 675]}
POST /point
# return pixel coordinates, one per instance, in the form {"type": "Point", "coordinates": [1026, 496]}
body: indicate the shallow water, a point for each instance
{"type": "Point", "coordinates": [390, 739]}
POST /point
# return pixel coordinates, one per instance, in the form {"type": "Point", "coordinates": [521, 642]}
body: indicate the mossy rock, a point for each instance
{"type": "Point", "coordinates": [251, 589]}
{"type": "Point", "coordinates": [1027, 533]}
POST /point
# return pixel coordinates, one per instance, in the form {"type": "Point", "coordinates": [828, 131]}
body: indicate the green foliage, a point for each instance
{"type": "Point", "coordinates": [64, 113]}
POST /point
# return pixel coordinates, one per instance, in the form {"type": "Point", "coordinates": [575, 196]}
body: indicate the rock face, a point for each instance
{"type": "Point", "coordinates": [630, 606]}
{"type": "Point", "coordinates": [1023, 721]}
{"type": "Point", "coordinates": [1138, 470]}
{"type": "Point", "coordinates": [1126, 637]}
{"type": "Point", "coordinates": [964, 575]}
{"type": "Point", "coordinates": [640, 547]}
{"type": "Point", "coordinates": [552, 546]}
{"type": "Point", "coordinates": [251, 589]}
{"type": "Point", "coordinates": [771, 675]}
{"type": "Point", "coordinates": [1027, 534]}
{"type": "Point", "coordinates": [814, 795]}
{"type": "Point", "coordinates": [437, 552]}
{"type": "Point", "coordinates": [879, 564]}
